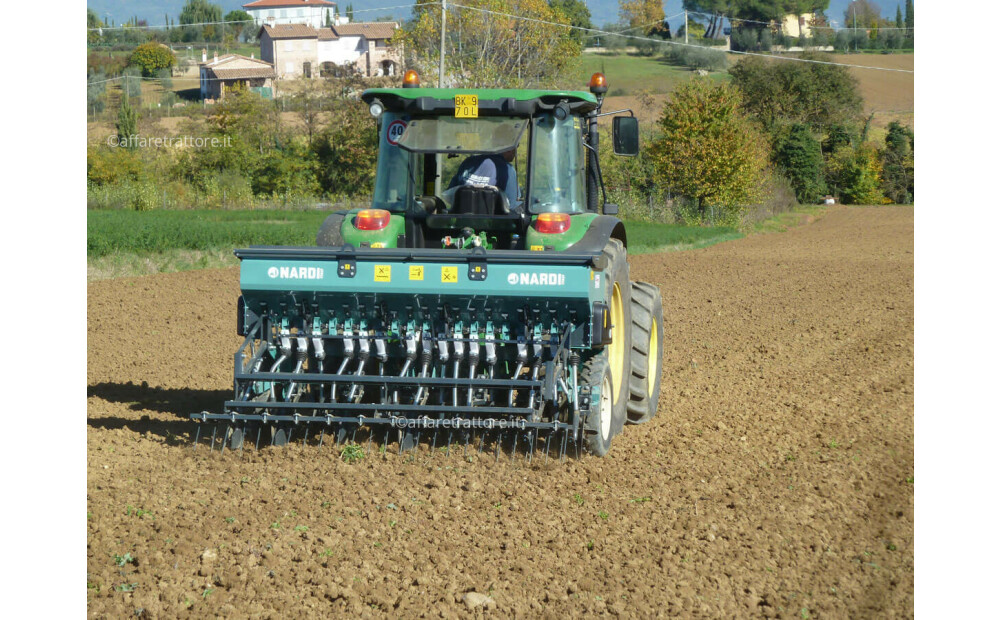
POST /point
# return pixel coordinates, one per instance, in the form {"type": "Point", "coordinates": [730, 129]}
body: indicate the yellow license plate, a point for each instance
{"type": "Point", "coordinates": [466, 106]}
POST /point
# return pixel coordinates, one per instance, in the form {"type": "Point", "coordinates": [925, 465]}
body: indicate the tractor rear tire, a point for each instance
{"type": "Point", "coordinates": [598, 429]}
{"type": "Point", "coordinates": [329, 234]}
{"type": "Point", "coordinates": [619, 352]}
{"type": "Point", "coordinates": [647, 352]}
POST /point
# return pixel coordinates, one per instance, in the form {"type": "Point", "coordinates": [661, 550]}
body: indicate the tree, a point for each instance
{"type": "Point", "coordinates": [488, 50]}
{"type": "Point", "coordinates": [578, 15]}
{"type": "Point", "coordinates": [897, 164]}
{"type": "Point", "coordinates": [128, 120]}
{"type": "Point", "coordinates": [799, 156]}
{"type": "Point", "coordinates": [644, 14]}
{"type": "Point", "coordinates": [350, 12]}
{"type": "Point", "coordinates": [201, 12]}
{"type": "Point", "coordinates": [151, 57]}
{"type": "Point", "coordinates": [815, 94]}
{"type": "Point", "coordinates": [238, 22]}
{"type": "Point", "coordinates": [709, 150]}
{"type": "Point", "coordinates": [866, 12]}
{"type": "Point", "coordinates": [899, 17]}
{"type": "Point", "coordinates": [909, 22]}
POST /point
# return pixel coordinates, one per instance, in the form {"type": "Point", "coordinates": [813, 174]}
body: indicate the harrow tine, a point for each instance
{"type": "Point", "coordinates": [305, 434]}
{"type": "Point", "coordinates": [340, 433]}
{"type": "Point", "coordinates": [434, 441]}
{"type": "Point", "coordinates": [513, 449]}
{"type": "Point", "coordinates": [385, 441]}
{"type": "Point", "coordinates": [197, 435]}
{"type": "Point", "coordinates": [368, 450]}
{"type": "Point", "coordinates": [447, 451]}
{"type": "Point", "coordinates": [548, 444]}
{"type": "Point", "coordinates": [496, 452]}
{"type": "Point", "coordinates": [214, 430]}
{"type": "Point", "coordinates": [465, 450]}
{"type": "Point", "coordinates": [482, 441]}
{"type": "Point", "coordinates": [257, 445]}
{"type": "Point", "coordinates": [243, 439]}
{"type": "Point", "coordinates": [531, 445]}
{"type": "Point", "coordinates": [322, 433]}
{"type": "Point", "coordinates": [562, 446]}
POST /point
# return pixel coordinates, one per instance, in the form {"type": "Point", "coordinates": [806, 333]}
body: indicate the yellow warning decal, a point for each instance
{"type": "Point", "coordinates": [383, 273]}
{"type": "Point", "coordinates": [449, 275]}
{"type": "Point", "coordinates": [537, 248]}
{"type": "Point", "coordinates": [416, 272]}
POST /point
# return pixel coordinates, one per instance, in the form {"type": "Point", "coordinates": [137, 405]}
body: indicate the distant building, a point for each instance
{"type": "Point", "coordinates": [300, 50]}
{"type": "Point", "coordinates": [313, 13]}
{"type": "Point", "coordinates": [220, 74]}
{"type": "Point", "coordinates": [797, 25]}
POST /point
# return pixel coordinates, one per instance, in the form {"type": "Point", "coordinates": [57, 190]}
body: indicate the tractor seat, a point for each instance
{"type": "Point", "coordinates": [484, 200]}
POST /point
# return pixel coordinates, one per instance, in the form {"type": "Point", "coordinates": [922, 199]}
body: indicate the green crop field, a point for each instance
{"type": "Point", "coordinates": [151, 232]}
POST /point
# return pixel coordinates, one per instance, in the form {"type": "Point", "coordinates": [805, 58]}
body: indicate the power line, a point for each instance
{"type": "Point", "coordinates": [605, 32]}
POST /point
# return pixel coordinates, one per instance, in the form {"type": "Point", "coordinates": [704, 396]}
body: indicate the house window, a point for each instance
{"type": "Point", "coordinates": [301, 12]}
{"type": "Point", "coordinates": [283, 13]}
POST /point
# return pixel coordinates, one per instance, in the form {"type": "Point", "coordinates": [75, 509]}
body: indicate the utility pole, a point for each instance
{"type": "Point", "coordinates": [685, 27]}
{"type": "Point", "coordinates": [854, 11]}
{"type": "Point", "coordinates": [444, 8]}
{"type": "Point", "coordinates": [438, 160]}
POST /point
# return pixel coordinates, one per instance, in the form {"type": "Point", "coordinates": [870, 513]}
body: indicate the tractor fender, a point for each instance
{"type": "Point", "coordinates": [602, 228]}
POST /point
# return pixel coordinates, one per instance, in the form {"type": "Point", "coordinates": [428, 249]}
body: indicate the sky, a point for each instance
{"type": "Point", "coordinates": [602, 11]}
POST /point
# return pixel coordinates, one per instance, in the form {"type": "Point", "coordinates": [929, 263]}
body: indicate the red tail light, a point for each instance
{"type": "Point", "coordinates": [371, 219]}
{"type": "Point", "coordinates": [552, 223]}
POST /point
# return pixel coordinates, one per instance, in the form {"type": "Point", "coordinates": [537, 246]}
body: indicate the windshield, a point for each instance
{"type": "Point", "coordinates": [462, 135]}
{"type": "Point", "coordinates": [558, 173]}
{"type": "Point", "coordinates": [399, 172]}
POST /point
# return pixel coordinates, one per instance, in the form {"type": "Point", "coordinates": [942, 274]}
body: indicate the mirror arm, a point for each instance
{"type": "Point", "coordinates": [630, 113]}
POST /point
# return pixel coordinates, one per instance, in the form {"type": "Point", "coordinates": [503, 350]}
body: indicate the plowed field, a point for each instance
{"type": "Point", "coordinates": [776, 479]}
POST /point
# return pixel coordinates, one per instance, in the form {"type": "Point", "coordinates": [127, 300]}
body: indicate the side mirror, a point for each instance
{"type": "Point", "coordinates": [626, 135]}
{"type": "Point", "coordinates": [610, 208]}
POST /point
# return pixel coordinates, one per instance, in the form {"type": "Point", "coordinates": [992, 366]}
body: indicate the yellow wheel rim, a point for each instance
{"type": "Point", "coordinates": [654, 359]}
{"type": "Point", "coordinates": [617, 354]}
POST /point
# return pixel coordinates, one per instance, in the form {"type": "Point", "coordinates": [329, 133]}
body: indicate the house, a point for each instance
{"type": "Point", "coordinates": [797, 25]}
{"type": "Point", "coordinates": [315, 13]}
{"type": "Point", "coordinates": [300, 50]}
{"type": "Point", "coordinates": [223, 73]}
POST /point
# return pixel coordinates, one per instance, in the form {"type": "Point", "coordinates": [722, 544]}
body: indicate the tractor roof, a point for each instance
{"type": "Point", "coordinates": [492, 101]}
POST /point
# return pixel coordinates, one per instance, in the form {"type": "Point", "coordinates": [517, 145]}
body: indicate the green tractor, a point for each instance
{"type": "Point", "coordinates": [483, 298]}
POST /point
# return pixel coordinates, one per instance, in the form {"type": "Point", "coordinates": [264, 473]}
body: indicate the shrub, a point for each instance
{"type": "Point", "coordinates": [855, 175]}
{"type": "Point", "coordinates": [151, 57]}
{"type": "Point", "coordinates": [698, 57]}
{"type": "Point", "coordinates": [799, 156]}
{"type": "Point", "coordinates": [111, 166]}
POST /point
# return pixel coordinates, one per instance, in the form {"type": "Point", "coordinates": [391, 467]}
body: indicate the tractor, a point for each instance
{"type": "Point", "coordinates": [483, 298]}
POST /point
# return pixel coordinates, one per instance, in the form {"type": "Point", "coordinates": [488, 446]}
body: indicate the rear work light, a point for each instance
{"type": "Point", "coordinates": [552, 223]}
{"type": "Point", "coordinates": [371, 219]}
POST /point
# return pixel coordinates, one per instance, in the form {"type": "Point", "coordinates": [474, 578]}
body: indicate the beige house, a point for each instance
{"type": "Point", "coordinates": [797, 25]}
{"type": "Point", "coordinates": [299, 50]}
{"type": "Point", "coordinates": [221, 74]}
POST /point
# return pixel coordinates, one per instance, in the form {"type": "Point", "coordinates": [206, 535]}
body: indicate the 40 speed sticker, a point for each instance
{"type": "Point", "coordinates": [395, 131]}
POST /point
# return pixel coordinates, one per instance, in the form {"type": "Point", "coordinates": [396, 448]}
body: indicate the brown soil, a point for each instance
{"type": "Point", "coordinates": [775, 481]}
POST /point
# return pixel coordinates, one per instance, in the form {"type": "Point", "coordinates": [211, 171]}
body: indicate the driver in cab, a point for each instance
{"type": "Point", "coordinates": [494, 170]}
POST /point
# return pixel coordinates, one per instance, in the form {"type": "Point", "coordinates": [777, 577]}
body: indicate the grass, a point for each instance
{"type": "Point", "coordinates": [628, 74]}
{"type": "Point", "coordinates": [783, 221]}
{"type": "Point", "coordinates": [647, 237]}
{"type": "Point", "coordinates": [130, 243]}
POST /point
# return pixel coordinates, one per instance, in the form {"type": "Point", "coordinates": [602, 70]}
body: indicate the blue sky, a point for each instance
{"type": "Point", "coordinates": [602, 11]}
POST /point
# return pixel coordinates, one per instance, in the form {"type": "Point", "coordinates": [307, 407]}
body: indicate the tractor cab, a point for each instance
{"type": "Point", "coordinates": [496, 168]}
